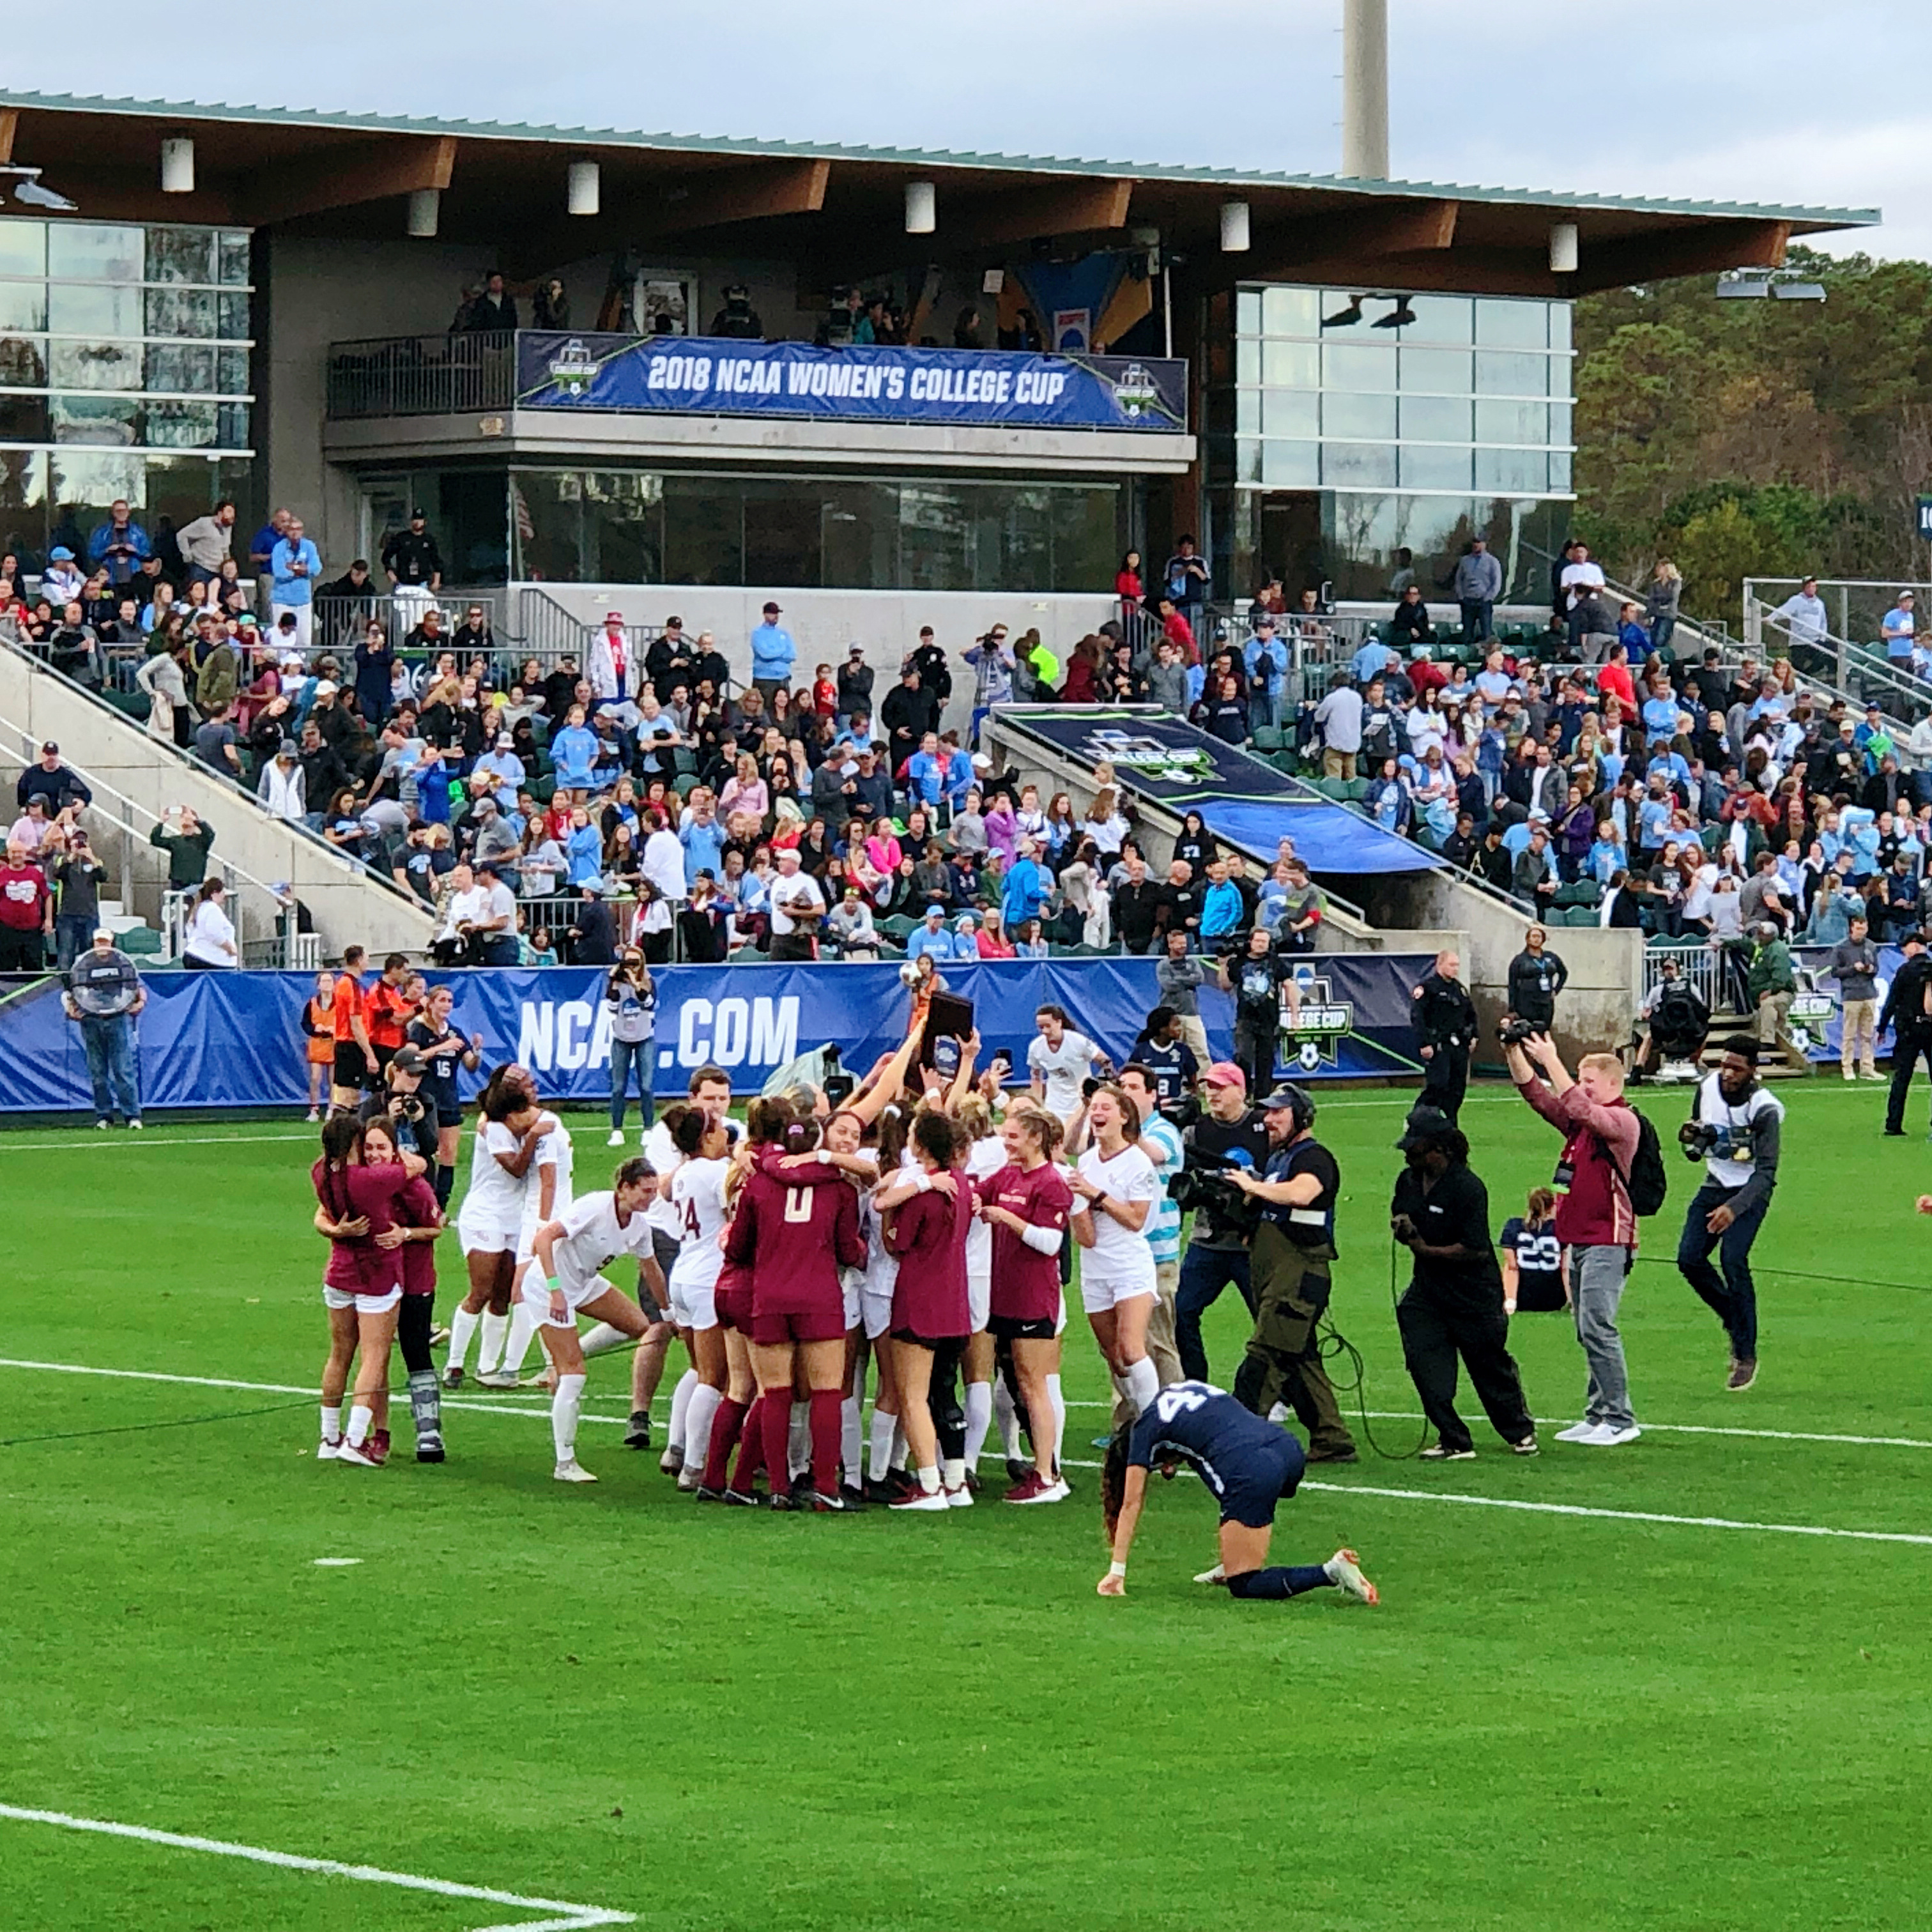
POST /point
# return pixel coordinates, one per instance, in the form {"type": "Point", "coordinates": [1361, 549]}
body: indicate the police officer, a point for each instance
{"type": "Point", "coordinates": [410, 1112]}
{"type": "Point", "coordinates": [1453, 1304]}
{"type": "Point", "coordinates": [1905, 1011]}
{"type": "Point", "coordinates": [1445, 1018]}
{"type": "Point", "coordinates": [1293, 1246]}
{"type": "Point", "coordinates": [1737, 1126]}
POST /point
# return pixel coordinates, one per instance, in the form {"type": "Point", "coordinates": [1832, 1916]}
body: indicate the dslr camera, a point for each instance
{"type": "Point", "coordinates": [406, 1106]}
{"type": "Point", "coordinates": [1698, 1138]}
{"type": "Point", "coordinates": [1514, 1031]}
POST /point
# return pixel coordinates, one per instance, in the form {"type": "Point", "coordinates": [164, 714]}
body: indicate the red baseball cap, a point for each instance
{"type": "Point", "coordinates": [1224, 1073]}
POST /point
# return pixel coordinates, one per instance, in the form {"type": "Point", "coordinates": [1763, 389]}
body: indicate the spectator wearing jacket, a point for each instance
{"type": "Point", "coordinates": [1479, 583]}
{"type": "Point", "coordinates": [1339, 717]}
{"type": "Point", "coordinates": [282, 788]}
{"type": "Point", "coordinates": [120, 545]}
{"type": "Point", "coordinates": [1265, 657]}
{"type": "Point", "coordinates": [295, 567]}
{"type": "Point", "coordinates": [773, 655]}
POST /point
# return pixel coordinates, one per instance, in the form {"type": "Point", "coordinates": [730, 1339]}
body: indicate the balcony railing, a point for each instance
{"type": "Point", "coordinates": [422, 376]}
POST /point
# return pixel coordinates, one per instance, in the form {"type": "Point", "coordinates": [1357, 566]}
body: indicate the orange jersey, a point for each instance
{"type": "Point", "coordinates": [350, 1001]}
{"type": "Point", "coordinates": [386, 1013]}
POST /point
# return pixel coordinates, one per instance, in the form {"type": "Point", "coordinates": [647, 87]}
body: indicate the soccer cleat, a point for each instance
{"type": "Point", "coordinates": [701, 1494]}
{"type": "Point", "coordinates": [742, 1498]}
{"type": "Point", "coordinates": [688, 1480]}
{"type": "Point", "coordinates": [357, 1454]}
{"type": "Point", "coordinates": [1016, 1470]}
{"type": "Point", "coordinates": [932, 1502]}
{"type": "Point", "coordinates": [379, 1447]}
{"type": "Point", "coordinates": [784, 1501]}
{"type": "Point", "coordinates": [1527, 1447]}
{"type": "Point", "coordinates": [638, 1435]}
{"type": "Point", "coordinates": [854, 1495]}
{"type": "Point", "coordinates": [315, 1113]}
{"type": "Point", "coordinates": [1577, 1431]}
{"type": "Point", "coordinates": [959, 1498]}
{"type": "Point", "coordinates": [1440, 1452]}
{"type": "Point", "coordinates": [670, 1462]}
{"type": "Point", "coordinates": [452, 1377]}
{"type": "Point", "coordinates": [1345, 1572]}
{"type": "Point", "coordinates": [616, 1138]}
{"type": "Point", "coordinates": [328, 1448]}
{"type": "Point", "coordinates": [844, 1504]}
{"type": "Point", "coordinates": [571, 1471]}
{"type": "Point", "coordinates": [1217, 1575]}
{"type": "Point", "coordinates": [1743, 1374]}
{"type": "Point", "coordinates": [135, 1126]}
{"type": "Point", "coordinates": [500, 1379]}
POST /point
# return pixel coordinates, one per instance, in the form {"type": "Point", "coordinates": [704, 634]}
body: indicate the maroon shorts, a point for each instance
{"type": "Point", "coordinates": [734, 1307]}
{"type": "Point", "coordinates": [773, 1331]}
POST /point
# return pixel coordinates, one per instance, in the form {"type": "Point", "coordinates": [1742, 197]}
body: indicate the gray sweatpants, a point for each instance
{"type": "Point", "coordinates": [1596, 1287]}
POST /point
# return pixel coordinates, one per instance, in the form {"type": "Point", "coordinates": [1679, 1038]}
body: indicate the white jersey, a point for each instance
{"type": "Point", "coordinates": [1118, 1252]}
{"type": "Point", "coordinates": [1734, 1159]}
{"type": "Point", "coordinates": [592, 1240]}
{"type": "Point", "coordinates": [494, 1200]}
{"type": "Point", "coordinates": [697, 1199]}
{"type": "Point", "coordinates": [1061, 1069]}
{"type": "Point", "coordinates": [984, 1159]}
{"type": "Point", "coordinates": [553, 1149]}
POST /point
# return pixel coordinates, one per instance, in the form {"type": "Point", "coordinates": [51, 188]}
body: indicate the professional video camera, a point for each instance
{"type": "Point", "coordinates": [838, 1085]}
{"type": "Point", "coordinates": [1202, 1186]}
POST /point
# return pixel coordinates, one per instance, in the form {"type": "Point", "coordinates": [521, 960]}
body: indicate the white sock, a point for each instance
{"type": "Point", "coordinates": [687, 1385]}
{"type": "Point", "coordinates": [884, 1425]}
{"type": "Point", "coordinates": [1059, 1403]}
{"type": "Point", "coordinates": [979, 1420]}
{"type": "Point", "coordinates": [699, 1415]}
{"type": "Point", "coordinates": [496, 1333]}
{"type": "Point", "coordinates": [1143, 1381]}
{"type": "Point", "coordinates": [1280, 1412]}
{"type": "Point", "coordinates": [901, 1448]}
{"type": "Point", "coordinates": [523, 1333]}
{"type": "Point", "coordinates": [798, 1447]}
{"type": "Point", "coordinates": [1008, 1418]}
{"type": "Point", "coordinates": [851, 1439]}
{"type": "Point", "coordinates": [955, 1472]}
{"type": "Point", "coordinates": [332, 1422]}
{"type": "Point", "coordinates": [602, 1339]}
{"type": "Point", "coordinates": [928, 1480]}
{"type": "Point", "coordinates": [359, 1420]}
{"type": "Point", "coordinates": [565, 1406]}
{"type": "Point", "coordinates": [462, 1328]}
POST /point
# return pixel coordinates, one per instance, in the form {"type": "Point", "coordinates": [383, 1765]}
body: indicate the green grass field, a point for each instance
{"type": "Point", "coordinates": [713, 1719]}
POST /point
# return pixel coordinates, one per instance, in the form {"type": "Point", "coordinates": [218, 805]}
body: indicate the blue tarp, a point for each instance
{"type": "Point", "coordinates": [1330, 838]}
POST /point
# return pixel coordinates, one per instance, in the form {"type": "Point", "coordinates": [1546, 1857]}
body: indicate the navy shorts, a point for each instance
{"type": "Point", "coordinates": [1264, 1478]}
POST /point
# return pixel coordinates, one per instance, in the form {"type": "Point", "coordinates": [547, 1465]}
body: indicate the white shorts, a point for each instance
{"type": "Point", "coordinates": [1099, 1292]}
{"type": "Point", "coordinates": [693, 1304]}
{"type": "Point", "coordinates": [979, 1299]}
{"type": "Point", "coordinates": [363, 1304]}
{"type": "Point", "coordinates": [852, 1282]}
{"type": "Point", "coordinates": [875, 1310]}
{"type": "Point", "coordinates": [536, 1298]}
{"type": "Point", "coordinates": [487, 1237]}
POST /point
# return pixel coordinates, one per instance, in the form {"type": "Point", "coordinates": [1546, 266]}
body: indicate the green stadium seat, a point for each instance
{"type": "Point", "coordinates": [1266, 738]}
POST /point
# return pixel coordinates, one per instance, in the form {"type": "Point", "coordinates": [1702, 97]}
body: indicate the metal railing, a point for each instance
{"type": "Point", "coordinates": [1701, 968]}
{"type": "Point", "coordinates": [340, 623]}
{"type": "Point", "coordinates": [1857, 605]}
{"type": "Point", "coordinates": [422, 375]}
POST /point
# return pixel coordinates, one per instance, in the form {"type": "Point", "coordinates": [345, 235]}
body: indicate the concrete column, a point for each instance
{"type": "Point", "coordinates": [1365, 141]}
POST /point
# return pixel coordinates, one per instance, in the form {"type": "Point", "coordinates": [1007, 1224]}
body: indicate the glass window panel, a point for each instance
{"type": "Point", "coordinates": [1444, 371]}
{"type": "Point", "coordinates": [1435, 419]}
{"type": "Point", "coordinates": [1358, 463]}
{"type": "Point", "coordinates": [1559, 423]}
{"type": "Point", "coordinates": [1427, 467]}
{"type": "Point", "coordinates": [1291, 311]}
{"type": "Point", "coordinates": [231, 370]}
{"type": "Point", "coordinates": [470, 525]}
{"type": "Point", "coordinates": [859, 534]}
{"type": "Point", "coordinates": [1502, 375]}
{"type": "Point", "coordinates": [1087, 540]}
{"type": "Point", "coordinates": [174, 365]}
{"type": "Point", "coordinates": [1512, 472]}
{"type": "Point", "coordinates": [23, 486]}
{"type": "Point", "coordinates": [94, 480]}
{"type": "Point", "coordinates": [85, 251]}
{"type": "Point", "coordinates": [1247, 361]}
{"type": "Point", "coordinates": [1559, 325]}
{"type": "Point", "coordinates": [546, 510]}
{"type": "Point", "coordinates": [935, 537]}
{"type": "Point", "coordinates": [182, 425]}
{"type": "Point", "coordinates": [1291, 465]}
{"type": "Point", "coordinates": [1248, 461]}
{"type": "Point", "coordinates": [23, 247]}
{"type": "Point", "coordinates": [1358, 365]}
{"type": "Point", "coordinates": [1501, 324]}
{"type": "Point", "coordinates": [76, 309]}
{"type": "Point", "coordinates": [233, 260]}
{"type": "Point", "coordinates": [180, 255]}
{"type": "Point", "coordinates": [704, 530]}
{"type": "Point", "coordinates": [96, 365]}
{"type": "Point", "coordinates": [23, 305]}
{"type": "Point", "coordinates": [111, 420]}
{"type": "Point", "coordinates": [1247, 412]}
{"type": "Point", "coordinates": [23, 419]}
{"type": "Point", "coordinates": [23, 363]}
{"type": "Point", "coordinates": [233, 315]}
{"type": "Point", "coordinates": [1358, 417]}
{"type": "Point", "coordinates": [231, 426]}
{"type": "Point", "coordinates": [782, 534]}
{"type": "Point", "coordinates": [1559, 470]}
{"type": "Point", "coordinates": [1290, 365]}
{"type": "Point", "coordinates": [1013, 534]}
{"type": "Point", "coordinates": [1361, 533]}
{"type": "Point", "coordinates": [1290, 412]}
{"type": "Point", "coordinates": [1438, 319]}
{"type": "Point", "coordinates": [1248, 312]}
{"type": "Point", "coordinates": [623, 526]}
{"type": "Point", "coordinates": [180, 488]}
{"type": "Point", "coordinates": [182, 311]}
{"type": "Point", "coordinates": [1512, 422]}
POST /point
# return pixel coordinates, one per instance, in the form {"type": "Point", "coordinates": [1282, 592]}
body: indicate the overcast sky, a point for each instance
{"type": "Point", "coordinates": [1764, 100]}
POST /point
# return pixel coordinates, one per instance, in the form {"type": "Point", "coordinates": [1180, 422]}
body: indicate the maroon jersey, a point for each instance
{"type": "Point", "coordinates": [928, 1234]}
{"type": "Point", "coordinates": [417, 1208]}
{"type": "Point", "coordinates": [359, 1265]}
{"type": "Point", "coordinates": [1026, 1283]}
{"type": "Point", "coordinates": [796, 1239]}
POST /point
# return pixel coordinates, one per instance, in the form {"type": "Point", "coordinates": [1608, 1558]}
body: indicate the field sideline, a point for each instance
{"type": "Point", "coordinates": [1680, 1685]}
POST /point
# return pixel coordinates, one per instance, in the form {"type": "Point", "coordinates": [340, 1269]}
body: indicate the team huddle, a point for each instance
{"type": "Point", "coordinates": [898, 1241]}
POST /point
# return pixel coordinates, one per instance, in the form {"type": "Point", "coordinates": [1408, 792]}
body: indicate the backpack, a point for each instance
{"type": "Point", "coordinates": [1647, 1181]}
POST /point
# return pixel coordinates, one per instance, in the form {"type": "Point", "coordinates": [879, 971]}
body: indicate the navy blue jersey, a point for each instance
{"type": "Point", "coordinates": [1197, 1424]}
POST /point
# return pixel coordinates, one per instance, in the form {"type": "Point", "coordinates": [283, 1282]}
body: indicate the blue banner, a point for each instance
{"type": "Point", "coordinates": [712, 375]}
{"type": "Point", "coordinates": [234, 1040]}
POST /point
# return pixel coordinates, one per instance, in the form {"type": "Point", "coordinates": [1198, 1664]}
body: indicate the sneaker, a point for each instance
{"type": "Point", "coordinates": [1017, 1472]}
{"type": "Point", "coordinates": [1527, 1447]}
{"type": "Point", "coordinates": [315, 1113]}
{"type": "Point", "coordinates": [1883, 1079]}
{"type": "Point", "coordinates": [379, 1447]}
{"type": "Point", "coordinates": [638, 1435]}
{"type": "Point", "coordinates": [439, 1337]}
{"type": "Point", "coordinates": [1333, 1456]}
{"type": "Point", "coordinates": [616, 1138]}
{"type": "Point", "coordinates": [929, 1501]}
{"type": "Point", "coordinates": [429, 1449]}
{"type": "Point", "coordinates": [328, 1448]}
{"type": "Point", "coordinates": [843, 1504]}
{"type": "Point", "coordinates": [1217, 1575]}
{"type": "Point", "coordinates": [350, 1452]}
{"type": "Point", "coordinates": [1439, 1452]}
{"type": "Point", "coordinates": [1743, 1374]}
{"type": "Point", "coordinates": [572, 1471]}
{"type": "Point", "coordinates": [1029, 1488]}
{"type": "Point", "coordinates": [500, 1379]}
{"type": "Point", "coordinates": [1577, 1431]}
{"type": "Point", "coordinates": [1345, 1572]}
{"type": "Point", "coordinates": [452, 1376]}
{"type": "Point", "coordinates": [135, 1126]}
{"type": "Point", "coordinates": [1895, 1133]}
{"type": "Point", "coordinates": [100, 1127]}
{"type": "Point", "coordinates": [1849, 1076]}
{"type": "Point", "coordinates": [959, 1498]}
{"type": "Point", "coordinates": [670, 1462]}
{"type": "Point", "coordinates": [1607, 1436]}
{"type": "Point", "coordinates": [886, 1492]}
{"type": "Point", "coordinates": [1061, 1489]}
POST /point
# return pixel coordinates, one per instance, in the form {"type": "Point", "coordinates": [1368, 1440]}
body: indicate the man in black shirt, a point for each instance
{"type": "Point", "coordinates": [669, 661]}
{"type": "Point", "coordinates": [1906, 1013]}
{"type": "Point", "coordinates": [411, 556]}
{"type": "Point", "coordinates": [1216, 1254]}
{"type": "Point", "coordinates": [1453, 1304]}
{"type": "Point", "coordinates": [1445, 1023]}
{"type": "Point", "coordinates": [1138, 903]}
{"type": "Point", "coordinates": [560, 691]}
{"type": "Point", "coordinates": [935, 676]}
{"type": "Point", "coordinates": [908, 714]}
{"type": "Point", "coordinates": [1255, 977]}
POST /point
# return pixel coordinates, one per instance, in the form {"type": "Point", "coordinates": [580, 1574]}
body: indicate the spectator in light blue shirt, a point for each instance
{"type": "Point", "coordinates": [1605, 856]}
{"type": "Point", "coordinates": [574, 751]}
{"type": "Point", "coordinates": [1671, 766]}
{"type": "Point", "coordinates": [1023, 891]}
{"type": "Point", "coordinates": [1265, 657]}
{"type": "Point", "coordinates": [1221, 907]}
{"type": "Point", "coordinates": [703, 838]}
{"type": "Point", "coordinates": [294, 565]}
{"type": "Point", "coordinates": [931, 936]}
{"type": "Point", "coordinates": [1660, 716]}
{"type": "Point", "coordinates": [958, 780]}
{"type": "Point", "coordinates": [1372, 660]}
{"type": "Point", "coordinates": [502, 764]}
{"type": "Point", "coordinates": [927, 770]}
{"type": "Point", "coordinates": [773, 654]}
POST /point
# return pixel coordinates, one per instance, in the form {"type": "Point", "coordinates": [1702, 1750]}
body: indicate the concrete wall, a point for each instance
{"type": "Point", "coordinates": [348, 907]}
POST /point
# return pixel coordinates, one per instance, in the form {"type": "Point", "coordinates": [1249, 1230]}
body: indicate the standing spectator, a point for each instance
{"type": "Point", "coordinates": [185, 838]}
{"type": "Point", "coordinates": [854, 684]}
{"type": "Point", "coordinates": [773, 655]}
{"type": "Point", "coordinates": [1536, 976]}
{"type": "Point", "coordinates": [204, 543]}
{"type": "Point", "coordinates": [1181, 978]}
{"type": "Point", "coordinates": [1265, 659]}
{"type": "Point", "coordinates": [1479, 583]}
{"type": "Point", "coordinates": [103, 995]}
{"type": "Point", "coordinates": [261, 550]}
{"type": "Point", "coordinates": [26, 913]}
{"type": "Point", "coordinates": [1802, 616]}
{"type": "Point", "coordinates": [494, 311]}
{"type": "Point", "coordinates": [1185, 580]}
{"type": "Point", "coordinates": [1896, 627]}
{"type": "Point", "coordinates": [908, 713]}
{"type": "Point", "coordinates": [162, 678]}
{"type": "Point", "coordinates": [375, 673]}
{"type": "Point", "coordinates": [928, 659]}
{"type": "Point", "coordinates": [632, 995]}
{"type": "Point", "coordinates": [1770, 983]}
{"type": "Point", "coordinates": [1304, 905]}
{"type": "Point", "coordinates": [992, 662]}
{"type": "Point", "coordinates": [797, 906]}
{"type": "Point", "coordinates": [208, 944]}
{"type": "Point", "coordinates": [295, 565]}
{"type": "Point", "coordinates": [1666, 592]}
{"type": "Point", "coordinates": [215, 739]}
{"type": "Point", "coordinates": [76, 875]}
{"type": "Point", "coordinates": [611, 664]}
{"type": "Point", "coordinates": [120, 545]}
{"type": "Point", "coordinates": [56, 784]}
{"type": "Point", "coordinates": [1339, 717]}
{"type": "Point", "coordinates": [413, 565]}
{"type": "Point", "coordinates": [1854, 964]}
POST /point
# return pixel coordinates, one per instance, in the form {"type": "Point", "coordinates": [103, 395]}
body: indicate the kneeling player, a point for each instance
{"type": "Point", "coordinates": [1248, 1463]}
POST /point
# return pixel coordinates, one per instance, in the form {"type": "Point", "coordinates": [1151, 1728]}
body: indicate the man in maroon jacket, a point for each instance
{"type": "Point", "coordinates": [1594, 1219]}
{"type": "Point", "coordinates": [26, 913]}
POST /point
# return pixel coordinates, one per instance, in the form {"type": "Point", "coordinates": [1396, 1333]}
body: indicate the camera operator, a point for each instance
{"type": "Point", "coordinates": [1445, 1018]}
{"type": "Point", "coordinates": [1227, 1131]}
{"type": "Point", "coordinates": [1676, 1020]}
{"type": "Point", "coordinates": [1735, 1131]}
{"type": "Point", "coordinates": [1594, 1219]}
{"type": "Point", "coordinates": [1454, 1303]}
{"type": "Point", "coordinates": [1293, 1244]}
{"type": "Point", "coordinates": [400, 1100]}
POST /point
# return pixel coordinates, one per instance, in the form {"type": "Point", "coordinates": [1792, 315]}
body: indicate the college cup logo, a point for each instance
{"type": "Point", "coordinates": [573, 369]}
{"type": "Point", "coordinates": [1136, 392]}
{"type": "Point", "coordinates": [1314, 1040]}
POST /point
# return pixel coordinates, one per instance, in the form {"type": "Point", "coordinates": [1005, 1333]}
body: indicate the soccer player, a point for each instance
{"type": "Point", "coordinates": [698, 1197]}
{"type": "Point", "coordinates": [1248, 1464]}
{"type": "Point", "coordinates": [1026, 1206]}
{"type": "Point", "coordinates": [419, 1221]}
{"type": "Point", "coordinates": [548, 1192]}
{"type": "Point", "coordinates": [1057, 1061]}
{"type": "Point", "coordinates": [1114, 1188]}
{"type": "Point", "coordinates": [355, 1057]}
{"type": "Point", "coordinates": [985, 1154]}
{"type": "Point", "coordinates": [572, 1252]}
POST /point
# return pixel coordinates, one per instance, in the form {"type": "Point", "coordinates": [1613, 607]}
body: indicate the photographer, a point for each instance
{"type": "Point", "coordinates": [1453, 1304]}
{"type": "Point", "coordinates": [1735, 1131]}
{"type": "Point", "coordinates": [1293, 1245]}
{"type": "Point", "coordinates": [1226, 1132]}
{"type": "Point", "coordinates": [1257, 977]}
{"type": "Point", "coordinates": [1594, 1219]}
{"type": "Point", "coordinates": [1676, 1020]}
{"type": "Point", "coordinates": [409, 1111]}
{"type": "Point", "coordinates": [1445, 1022]}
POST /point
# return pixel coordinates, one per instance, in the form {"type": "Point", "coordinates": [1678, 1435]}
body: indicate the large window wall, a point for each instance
{"type": "Point", "coordinates": [123, 372]}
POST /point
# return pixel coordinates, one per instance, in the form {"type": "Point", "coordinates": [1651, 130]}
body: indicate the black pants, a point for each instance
{"type": "Point", "coordinates": [1435, 1331]}
{"type": "Point", "coordinates": [23, 952]}
{"type": "Point", "coordinates": [1445, 1079]}
{"type": "Point", "coordinates": [415, 1318]}
{"type": "Point", "coordinates": [1283, 1361]}
{"type": "Point", "coordinates": [1255, 1048]}
{"type": "Point", "coordinates": [793, 945]}
{"type": "Point", "coordinates": [1907, 1051]}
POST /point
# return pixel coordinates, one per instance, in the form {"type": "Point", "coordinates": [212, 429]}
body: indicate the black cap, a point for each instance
{"type": "Point", "coordinates": [418, 515]}
{"type": "Point", "coordinates": [1424, 1124]}
{"type": "Point", "coordinates": [1283, 1097]}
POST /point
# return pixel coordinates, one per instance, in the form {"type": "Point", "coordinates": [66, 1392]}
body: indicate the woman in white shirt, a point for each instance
{"type": "Point", "coordinates": [1105, 825]}
{"type": "Point", "coordinates": [1113, 1194]}
{"type": "Point", "coordinates": [209, 943]}
{"type": "Point", "coordinates": [1427, 724]}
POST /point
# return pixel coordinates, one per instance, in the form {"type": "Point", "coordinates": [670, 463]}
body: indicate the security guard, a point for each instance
{"type": "Point", "coordinates": [1454, 1305]}
{"type": "Point", "coordinates": [1445, 1019]}
{"type": "Point", "coordinates": [1293, 1246]}
{"type": "Point", "coordinates": [411, 557]}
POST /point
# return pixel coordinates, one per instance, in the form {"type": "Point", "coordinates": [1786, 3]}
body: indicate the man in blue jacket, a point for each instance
{"type": "Point", "coordinates": [773, 654]}
{"type": "Point", "coordinates": [1023, 892]}
{"type": "Point", "coordinates": [120, 543]}
{"type": "Point", "coordinates": [1265, 657]}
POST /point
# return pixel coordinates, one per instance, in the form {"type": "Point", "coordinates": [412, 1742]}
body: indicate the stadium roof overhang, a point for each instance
{"type": "Point", "coordinates": [843, 209]}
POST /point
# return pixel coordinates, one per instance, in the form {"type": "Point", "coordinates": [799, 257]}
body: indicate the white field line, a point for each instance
{"type": "Point", "coordinates": [1338, 1489]}
{"type": "Point", "coordinates": [565, 1917]}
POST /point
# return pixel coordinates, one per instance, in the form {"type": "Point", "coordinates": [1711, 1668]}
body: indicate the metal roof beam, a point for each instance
{"type": "Point", "coordinates": [371, 171]}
